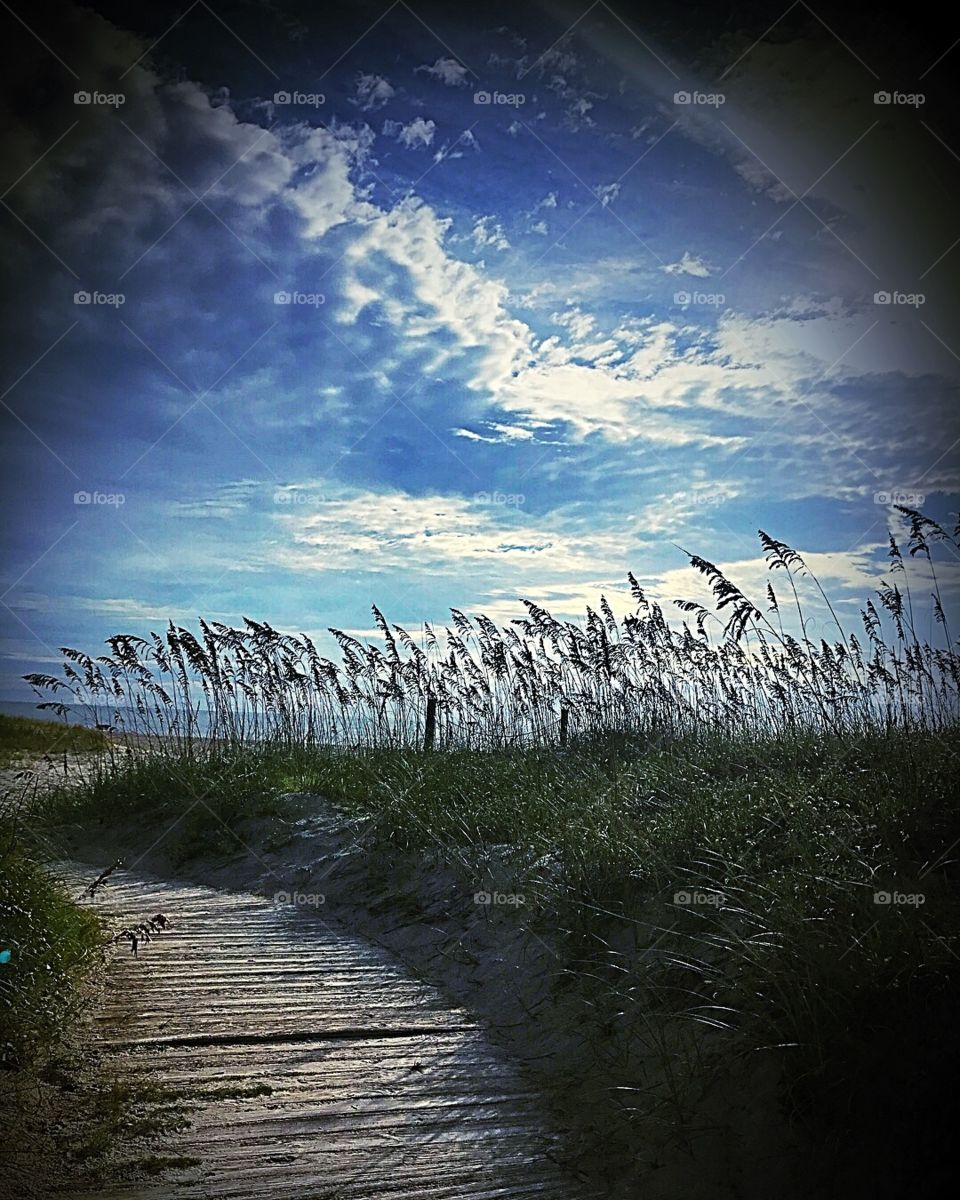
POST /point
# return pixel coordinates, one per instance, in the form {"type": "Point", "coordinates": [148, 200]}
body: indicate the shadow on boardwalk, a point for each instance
{"type": "Point", "coordinates": [369, 1083]}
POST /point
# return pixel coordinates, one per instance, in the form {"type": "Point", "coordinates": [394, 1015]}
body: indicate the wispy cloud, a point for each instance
{"type": "Point", "coordinates": [372, 92]}
{"type": "Point", "coordinates": [448, 71]}
{"type": "Point", "coordinates": [418, 134]}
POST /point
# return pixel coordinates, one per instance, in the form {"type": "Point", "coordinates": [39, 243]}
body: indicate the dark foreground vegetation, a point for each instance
{"type": "Point", "coordinates": [740, 848]}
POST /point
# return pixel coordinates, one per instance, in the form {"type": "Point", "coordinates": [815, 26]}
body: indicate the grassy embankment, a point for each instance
{"type": "Point", "coordinates": [53, 955]}
{"type": "Point", "coordinates": [22, 737]}
{"type": "Point", "coordinates": [754, 867]}
{"type": "Point", "coordinates": [50, 940]}
{"type": "Point", "coordinates": [743, 854]}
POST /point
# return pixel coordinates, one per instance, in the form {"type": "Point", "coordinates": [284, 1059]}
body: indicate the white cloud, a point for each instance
{"type": "Point", "coordinates": [440, 293]}
{"type": "Point", "coordinates": [540, 226]}
{"type": "Point", "coordinates": [597, 400]}
{"type": "Point", "coordinates": [606, 193]}
{"type": "Point", "coordinates": [689, 264]}
{"type": "Point", "coordinates": [455, 149]}
{"type": "Point", "coordinates": [502, 434]}
{"type": "Point", "coordinates": [372, 92]}
{"type": "Point", "coordinates": [576, 114]}
{"type": "Point", "coordinates": [116, 608]}
{"type": "Point", "coordinates": [488, 232]}
{"type": "Point", "coordinates": [382, 532]}
{"type": "Point", "coordinates": [579, 323]}
{"type": "Point", "coordinates": [419, 133]}
{"type": "Point", "coordinates": [512, 433]}
{"type": "Point", "coordinates": [473, 437]}
{"type": "Point", "coordinates": [325, 195]}
{"type": "Point", "coordinates": [226, 501]}
{"type": "Point", "coordinates": [448, 71]}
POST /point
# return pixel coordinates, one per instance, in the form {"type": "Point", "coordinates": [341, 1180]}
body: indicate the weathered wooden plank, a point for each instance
{"type": "Point", "coordinates": [378, 1087]}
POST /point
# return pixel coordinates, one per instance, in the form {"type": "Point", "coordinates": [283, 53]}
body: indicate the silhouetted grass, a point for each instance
{"type": "Point", "coordinates": [710, 851]}
{"type": "Point", "coordinates": [744, 668]}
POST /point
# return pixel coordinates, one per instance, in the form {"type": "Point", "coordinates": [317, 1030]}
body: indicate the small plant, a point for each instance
{"type": "Point", "coordinates": [142, 932]}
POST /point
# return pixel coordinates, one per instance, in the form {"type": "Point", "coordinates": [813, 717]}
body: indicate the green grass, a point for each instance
{"type": "Point", "coordinates": [791, 837]}
{"type": "Point", "coordinates": [207, 795]}
{"type": "Point", "coordinates": [707, 881]}
{"type": "Point", "coordinates": [53, 944]}
{"type": "Point", "coordinates": [26, 735]}
{"type": "Point", "coordinates": [51, 940]}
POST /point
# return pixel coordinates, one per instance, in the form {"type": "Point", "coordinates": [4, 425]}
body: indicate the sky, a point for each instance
{"type": "Point", "coordinates": [310, 309]}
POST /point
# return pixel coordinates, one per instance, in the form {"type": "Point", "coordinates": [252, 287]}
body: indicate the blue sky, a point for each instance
{"type": "Point", "coordinates": [531, 344]}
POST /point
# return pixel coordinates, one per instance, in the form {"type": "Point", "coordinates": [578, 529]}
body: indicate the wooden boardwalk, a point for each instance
{"type": "Point", "coordinates": [377, 1086]}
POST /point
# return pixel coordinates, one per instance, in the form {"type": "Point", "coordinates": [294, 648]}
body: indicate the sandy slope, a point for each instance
{"type": "Point", "coordinates": [505, 962]}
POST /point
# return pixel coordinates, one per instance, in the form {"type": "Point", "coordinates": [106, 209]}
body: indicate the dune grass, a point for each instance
{"type": "Point", "coordinates": [49, 940]}
{"type": "Point", "coordinates": [21, 736]}
{"type": "Point", "coordinates": [52, 944]}
{"type": "Point", "coordinates": [755, 865]}
{"type": "Point", "coordinates": [743, 667]}
{"type": "Point", "coordinates": [741, 845]}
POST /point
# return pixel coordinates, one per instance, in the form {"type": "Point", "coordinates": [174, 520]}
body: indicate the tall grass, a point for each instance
{"type": "Point", "coordinates": [739, 668]}
{"type": "Point", "coordinates": [704, 854]}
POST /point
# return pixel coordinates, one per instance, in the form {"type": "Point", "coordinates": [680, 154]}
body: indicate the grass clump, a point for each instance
{"type": "Point", "coordinates": [51, 948]}
{"type": "Point", "coordinates": [53, 944]}
{"type": "Point", "coordinates": [48, 941]}
{"type": "Point", "coordinates": [25, 735]}
{"type": "Point", "coordinates": [203, 798]}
